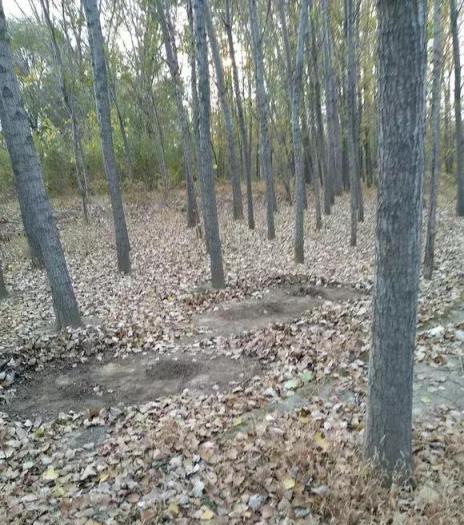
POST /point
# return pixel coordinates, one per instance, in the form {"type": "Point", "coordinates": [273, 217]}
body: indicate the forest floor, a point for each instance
{"type": "Point", "coordinates": [180, 404]}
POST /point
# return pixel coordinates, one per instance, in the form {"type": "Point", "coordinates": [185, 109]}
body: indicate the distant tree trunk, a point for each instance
{"type": "Point", "coordinates": [318, 156]}
{"type": "Point", "coordinates": [33, 200]}
{"type": "Point", "coordinates": [162, 159]}
{"type": "Point", "coordinates": [296, 134]}
{"type": "Point", "coordinates": [3, 290]}
{"type": "Point", "coordinates": [263, 115]}
{"type": "Point", "coordinates": [350, 96]}
{"type": "Point", "coordinates": [69, 106]}
{"type": "Point", "coordinates": [458, 110]}
{"type": "Point", "coordinates": [173, 63]}
{"type": "Point", "coordinates": [205, 161]}
{"type": "Point", "coordinates": [106, 133]}
{"type": "Point", "coordinates": [334, 178]}
{"type": "Point", "coordinates": [401, 74]}
{"type": "Point", "coordinates": [234, 170]}
{"type": "Point", "coordinates": [241, 118]}
{"type": "Point", "coordinates": [448, 138]}
{"type": "Point", "coordinates": [435, 157]}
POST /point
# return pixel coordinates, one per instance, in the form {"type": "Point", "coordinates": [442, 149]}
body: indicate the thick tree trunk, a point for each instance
{"type": "Point", "coordinates": [173, 63]}
{"type": "Point", "coordinates": [3, 290]}
{"type": "Point", "coordinates": [402, 57]}
{"type": "Point", "coordinates": [33, 200]}
{"type": "Point", "coordinates": [334, 176]}
{"type": "Point", "coordinates": [246, 157]}
{"type": "Point", "coordinates": [350, 96]}
{"type": "Point", "coordinates": [234, 171]}
{"type": "Point", "coordinates": [296, 134]}
{"type": "Point", "coordinates": [435, 157]}
{"type": "Point", "coordinates": [263, 115]}
{"type": "Point", "coordinates": [205, 161]}
{"type": "Point", "coordinates": [458, 110]}
{"type": "Point", "coordinates": [106, 133]}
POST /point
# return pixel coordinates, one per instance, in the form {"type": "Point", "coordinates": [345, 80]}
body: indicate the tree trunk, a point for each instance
{"type": "Point", "coordinates": [435, 157]}
{"type": "Point", "coordinates": [402, 57]}
{"type": "Point", "coordinates": [448, 138]}
{"type": "Point", "coordinates": [263, 115]}
{"type": "Point", "coordinates": [205, 161]}
{"type": "Point", "coordinates": [458, 110]}
{"type": "Point", "coordinates": [3, 290]}
{"type": "Point", "coordinates": [173, 63]}
{"type": "Point", "coordinates": [106, 134]}
{"type": "Point", "coordinates": [33, 200]}
{"type": "Point", "coordinates": [296, 134]}
{"type": "Point", "coordinates": [350, 96]}
{"type": "Point", "coordinates": [334, 179]}
{"type": "Point", "coordinates": [234, 171]}
{"type": "Point", "coordinates": [241, 119]}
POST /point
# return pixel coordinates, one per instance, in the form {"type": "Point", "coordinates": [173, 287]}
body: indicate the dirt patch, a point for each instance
{"type": "Point", "coordinates": [277, 304]}
{"type": "Point", "coordinates": [137, 379]}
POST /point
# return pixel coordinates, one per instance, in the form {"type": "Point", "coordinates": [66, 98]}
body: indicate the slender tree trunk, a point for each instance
{"type": "Point", "coordinates": [448, 138]}
{"type": "Point", "coordinates": [296, 134]}
{"type": "Point", "coordinates": [318, 156]}
{"type": "Point", "coordinates": [173, 63]}
{"type": "Point", "coordinates": [205, 161]}
{"type": "Point", "coordinates": [159, 132]}
{"type": "Point", "coordinates": [3, 290]}
{"type": "Point", "coordinates": [241, 118]}
{"type": "Point", "coordinates": [350, 95]}
{"type": "Point", "coordinates": [401, 74]}
{"type": "Point", "coordinates": [334, 180]}
{"type": "Point", "coordinates": [435, 125]}
{"type": "Point", "coordinates": [33, 200]}
{"type": "Point", "coordinates": [263, 115]}
{"type": "Point", "coordinates": [234, 171]}
{"type": "Point", "coordinates": [106, 133]}
{"type": "Point", "coordinates": [458, 110]}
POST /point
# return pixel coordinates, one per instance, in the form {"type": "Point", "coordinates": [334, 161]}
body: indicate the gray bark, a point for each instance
{"type": "Point", "coordinates": [205, 160]}
{"type": "Point", "coordinates": [234, 170]}
{"type": "Point", "coordinates": [246, 157]}
{"type": "Point", "coordinates": [3, 290]}
{"type": "Point", "coordinates": [334, 174]}
{"type": "Point", "coordinates": [350, 92]}
{"type": "Point", "coordinates": [106, 133]}
{"type": "Point", "coordinates": [296, 134]}
{"type": "Point", "coordinates": [263, 116]}
{"type": "Point", "coordinates": [401, 80]}
{"type": "Point", "coordinates": [30, 189]}
{"type": "Point", "coordinates": [173, 63]}
{"type": "Point", "coordinates": [435, 157]}
{"type": "Point", "coordinates": [458, 110]}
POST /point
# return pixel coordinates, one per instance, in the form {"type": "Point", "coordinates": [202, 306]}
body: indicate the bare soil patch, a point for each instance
{"type": "Point", "coordinates": [137, 379]}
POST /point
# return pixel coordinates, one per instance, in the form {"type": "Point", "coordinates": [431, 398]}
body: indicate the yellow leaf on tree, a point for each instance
{"type": "Point", "coordinates": [288, 483]}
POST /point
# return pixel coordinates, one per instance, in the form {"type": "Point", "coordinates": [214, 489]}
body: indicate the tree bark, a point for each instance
{"type": "Point", "coordinates": [263, 115]}
{"type": "Point", "coordinates": [205, 161]}
{"type": "Point", "coordinates": [458, 110]}
{"type": "Point", "coordinates": [401, 78]}
{"type": "Point", "coordinates": [30, 189]}
{"type": "Point", "coordinates": [241, 118]}
{"type": "Point", "coordinates": [296, 134]}
{"type": "Point", "coordinates": [173, 63]}
{"type": "Point", "coordinates": [106, 133]}
{"type": "Point", "coordinates": [234, 171]}
{"type": "Point", "coordinates": [435, 157]}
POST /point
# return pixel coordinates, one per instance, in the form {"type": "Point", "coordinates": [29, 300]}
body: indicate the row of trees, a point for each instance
{"type": "Point", "coordinates": [325, 136]}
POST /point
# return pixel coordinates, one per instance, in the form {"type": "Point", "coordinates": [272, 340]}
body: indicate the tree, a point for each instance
{"type": "Point", "coordinates": [246, 157]}
{"type": "Point", "coordinates": [296, 133]}
{"type": "Point", "coordinates": [106, 133]}
{"type": "Point", "coordinates": [205, 161]}
{"type": "Point", "coordinates": [234, 172]}
{"type": "Point", "coordinates": [263, 116]}
{"type": "Point", "coordinates": [435, 127]}
{"type": "Point", "coordinates": [30, 189]}
{"type": "Point", "coordinates": [173, 63]}
{"type": "Point", "coordinates": [3, 290]}
{"type": "Point", "coordinates": [458, 110]}
{"type": "Point", "coordinates": [401, 78]}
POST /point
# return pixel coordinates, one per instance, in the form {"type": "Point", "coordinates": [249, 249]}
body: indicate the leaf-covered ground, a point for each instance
{"type": "Point", "coordinates": [243, 454]}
